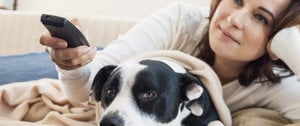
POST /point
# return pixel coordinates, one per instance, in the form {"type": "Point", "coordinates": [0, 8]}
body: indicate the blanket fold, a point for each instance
{"type": "Point", "coordinates": [42, 102]}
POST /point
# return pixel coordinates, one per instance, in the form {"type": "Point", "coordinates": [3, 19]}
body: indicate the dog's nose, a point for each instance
{"type": "Point", "coordinates": [112, 120]}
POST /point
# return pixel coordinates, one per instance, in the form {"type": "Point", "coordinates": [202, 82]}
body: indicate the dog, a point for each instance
{"type": "Point", "coordinates": [152, 93]}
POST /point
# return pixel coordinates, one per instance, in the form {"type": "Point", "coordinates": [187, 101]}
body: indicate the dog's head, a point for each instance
{"type": "Point", "coordinates": [146, 93]}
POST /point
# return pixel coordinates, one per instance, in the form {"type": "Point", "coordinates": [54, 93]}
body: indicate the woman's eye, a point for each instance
{"type": "Point", "coordinates": [239, 2]}
{"type": "Point", "coordinates": [261, 19]}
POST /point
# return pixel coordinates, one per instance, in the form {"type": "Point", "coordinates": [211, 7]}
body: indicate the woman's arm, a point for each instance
{"type": "Point", "coordinates": [156, 32]}
{"type": "Point", "coordinates": [286, 46]}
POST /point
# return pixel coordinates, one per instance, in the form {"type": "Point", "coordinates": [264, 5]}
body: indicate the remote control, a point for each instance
{"type": "Point", "coordinates": [62, 28]}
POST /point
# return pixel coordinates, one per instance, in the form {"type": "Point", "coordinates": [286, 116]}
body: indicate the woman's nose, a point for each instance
{"type": "Point", "coordinates": [237, 19]}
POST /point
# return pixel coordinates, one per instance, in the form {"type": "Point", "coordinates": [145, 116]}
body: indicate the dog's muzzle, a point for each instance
{"type": "Point", "coordinates": [112, 119]}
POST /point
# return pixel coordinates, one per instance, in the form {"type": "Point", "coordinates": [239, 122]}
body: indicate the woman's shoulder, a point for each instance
{"type": "Point", "coordinates": [189, 10]}
{"type": "Point", "coordinates": [192, 21]}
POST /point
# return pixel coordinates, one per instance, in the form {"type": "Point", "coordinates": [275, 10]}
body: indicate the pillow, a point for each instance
{"type": "Point", "coordinates": [25, 67]}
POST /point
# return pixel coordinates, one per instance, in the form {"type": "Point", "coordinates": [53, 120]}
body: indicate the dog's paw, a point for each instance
{"type": "Point", "coordinates": [215, 123]}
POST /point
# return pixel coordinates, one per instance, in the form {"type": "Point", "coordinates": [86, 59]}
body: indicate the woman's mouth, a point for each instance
{"type": "Point", "coordinates": [227, 35]}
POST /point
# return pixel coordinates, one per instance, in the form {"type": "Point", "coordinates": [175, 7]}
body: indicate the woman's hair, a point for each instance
{"type": "Point", "coordinates": [261, 68]}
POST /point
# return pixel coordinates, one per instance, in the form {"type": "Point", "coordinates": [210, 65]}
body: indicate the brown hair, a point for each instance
{"type": "Point", "coordinates": [261, 68]}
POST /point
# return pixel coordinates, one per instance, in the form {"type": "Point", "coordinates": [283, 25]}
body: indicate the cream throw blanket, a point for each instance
{"type": "Point", "coordinates": [43, 102]}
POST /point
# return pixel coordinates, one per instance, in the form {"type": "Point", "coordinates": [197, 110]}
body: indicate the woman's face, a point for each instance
{"type": "Point", "coordinates": [239, 29]}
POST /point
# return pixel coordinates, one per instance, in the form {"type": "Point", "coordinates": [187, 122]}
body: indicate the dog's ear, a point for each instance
{"type": "Point", "coordinates": [99, 81]}
{"type": "Point", "coordinates": [192, 90]}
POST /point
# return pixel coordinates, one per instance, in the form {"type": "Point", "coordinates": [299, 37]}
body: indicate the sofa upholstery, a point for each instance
{"type": "Point", "coordinates": [20, 30]}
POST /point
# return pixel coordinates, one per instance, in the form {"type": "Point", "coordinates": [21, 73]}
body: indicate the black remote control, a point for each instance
{"type": "Point", "coordinates": [62, 28]}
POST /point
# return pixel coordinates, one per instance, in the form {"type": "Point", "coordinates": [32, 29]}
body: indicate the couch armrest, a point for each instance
{"type": "Point", "coordinates": [20, 30]}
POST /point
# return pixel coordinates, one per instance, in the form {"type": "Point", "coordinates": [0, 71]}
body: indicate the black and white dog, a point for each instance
{"type": "Point", "coordinates": [152, 93]}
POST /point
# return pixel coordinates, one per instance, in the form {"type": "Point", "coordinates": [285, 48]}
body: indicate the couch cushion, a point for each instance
{"type": "Point", "coordinates": [21, 30]}
{"type": "Point", "coordinates": [26, 67]}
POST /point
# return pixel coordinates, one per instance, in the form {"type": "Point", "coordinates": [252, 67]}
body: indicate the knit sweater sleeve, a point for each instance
{"type": "Point", "coordinates": [286, 46]}
{"type": "Point", "coordinates": [282, 97]}
{"type": "Point", "coordinates": [158, 31]}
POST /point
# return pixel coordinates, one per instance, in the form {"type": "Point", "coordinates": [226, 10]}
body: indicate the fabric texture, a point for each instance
{"type": "Point", "coordinates": [42, 103]}
{"type": "Point", "coordinates": [286, 43]}
{"type": "Point", "coordinates": [26, 67]}
{"type": "Point", "coordinates": [21, 30]}
{"type": "Point", "coordinates": [260, 117]}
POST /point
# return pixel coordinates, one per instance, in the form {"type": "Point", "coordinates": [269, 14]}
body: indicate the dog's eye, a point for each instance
{"type": "Point", "coordinates": [109, 92]}
{"type": "Point", "coordinates": [148, 95]}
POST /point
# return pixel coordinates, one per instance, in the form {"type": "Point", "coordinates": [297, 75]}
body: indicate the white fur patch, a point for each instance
{"type": "Point", "coordinates": [215, 123]}
{"type": "Point", "coordinates": [129, 72]}
{"type": "Point", "coordinates": [194, 91]}
{"type": "Point", "coordinates": [196, 109]}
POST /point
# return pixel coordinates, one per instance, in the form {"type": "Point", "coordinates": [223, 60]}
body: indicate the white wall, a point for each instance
{"type": "Point", "coordinates": [133, 8]}
{"type": "Point", "coordinates": [8, 4]}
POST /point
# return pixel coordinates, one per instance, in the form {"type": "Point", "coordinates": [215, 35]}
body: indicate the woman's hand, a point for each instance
{"type": "Point", "coordinates": [286, 46]}
{"type": "Point", "coordinates": [67, 58]}
{"type": "Point", "coordinates": [284, 43]}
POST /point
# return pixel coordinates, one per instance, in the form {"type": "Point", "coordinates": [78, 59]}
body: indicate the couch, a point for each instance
{"type": "Point", "coordinates": [22, 58]}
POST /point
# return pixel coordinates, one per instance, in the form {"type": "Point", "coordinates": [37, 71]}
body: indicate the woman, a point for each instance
{"type": "Point", "coordinates": [234, 40]}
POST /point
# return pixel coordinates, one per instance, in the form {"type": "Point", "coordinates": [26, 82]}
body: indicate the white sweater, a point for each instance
{"type": "Point", "coordinates": [181, 27]}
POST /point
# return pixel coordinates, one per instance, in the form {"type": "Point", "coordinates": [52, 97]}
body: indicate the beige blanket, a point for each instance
{"type": "Point", "coordinates": [43, 102]}
{"type": "Point", "coordinates": [260, 117]}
